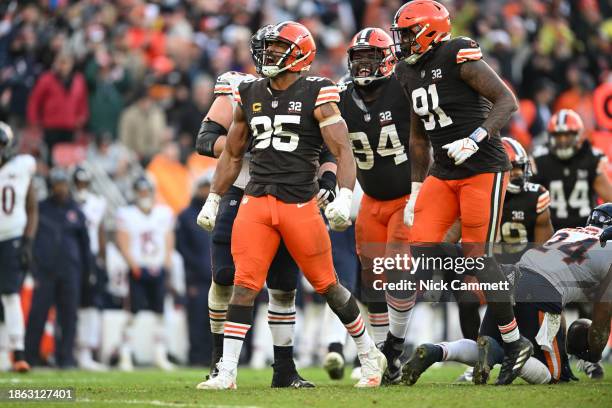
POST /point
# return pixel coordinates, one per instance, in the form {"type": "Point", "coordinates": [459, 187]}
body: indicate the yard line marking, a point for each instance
{"type": "Point", "coordinates": [158, 403]}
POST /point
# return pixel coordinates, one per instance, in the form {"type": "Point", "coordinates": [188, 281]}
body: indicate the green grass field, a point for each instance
{"type": "Point", "coordinates": [149, 388]}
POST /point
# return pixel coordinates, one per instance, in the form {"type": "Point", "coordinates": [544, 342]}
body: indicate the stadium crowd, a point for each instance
{"type": "Point", "coordinates": [121, 86]}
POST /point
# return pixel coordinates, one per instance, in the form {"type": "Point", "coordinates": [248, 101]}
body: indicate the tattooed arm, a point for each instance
{"type": "Point", "coordinates": [420, 149]}
{"type": "Point", "coordinates": [480, 76]}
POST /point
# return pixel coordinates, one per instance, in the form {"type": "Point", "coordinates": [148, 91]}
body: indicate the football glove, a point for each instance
{"type": "Point", "coordinates": [25, 253]}
{"type": "Point", "coordinates": [338, 212]}
{"type": "Point", "coordinates": [208, 213]}
{"type": "Point", "coordinates": [409, 209]}
{"type": "Point", "coordinates": [327, 189]}
{"type": "Point", "coordinates": [462, 149]}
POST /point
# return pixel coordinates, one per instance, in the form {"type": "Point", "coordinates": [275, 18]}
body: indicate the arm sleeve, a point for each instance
{"type": "Point", "coordinates": [329, 92]}
{"type": "Point", "coordinates": [466, 50]}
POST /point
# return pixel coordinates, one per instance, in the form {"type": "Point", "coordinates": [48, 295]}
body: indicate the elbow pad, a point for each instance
{"type": "Point", "coordinates": [209, 132]}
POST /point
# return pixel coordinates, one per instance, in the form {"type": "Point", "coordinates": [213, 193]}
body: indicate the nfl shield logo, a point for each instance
{"type": "Point", "coordinates": [366, 117]}
{"type": "Point", "coordinates": [274, 104]}
{"type": "Point", "coordinates": [423, 74]}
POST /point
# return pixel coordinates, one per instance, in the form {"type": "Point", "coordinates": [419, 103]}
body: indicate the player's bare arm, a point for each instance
{"type": "Point", "coordinates": [543, 228]}
{"type": "Point", "coordinates": [335, 135]}
{"type": "Point", "coordinates": [420, 149]}
{"type": "Point", "coordinates": [32, 211]}
{"type": "Point", "coordinates": [230, 160]}
{"type": "Point", "coordinates": [599, 332]}
{"type": "Point", "coordinates": [212, 134]}
{"type": "Point", "coordinates": [169, 240]}
{"type": "Point", "coordinates": [481, 77]}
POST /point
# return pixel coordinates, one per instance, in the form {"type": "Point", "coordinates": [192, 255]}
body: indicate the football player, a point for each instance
{"type": "Point", "coordinates": [571, 266]}
{"type": "Point", "coordinates": [18, 223]}
{"type": "Point", "coordinates": [460, 104]}
{"type": "Point", "coordinates": [572, 170]}
{"type": "Point", "coordinates": [283, 275]}
{"type": "Point", "coordinates": [373, 105]}
{"type": "Point", "coordinates": [145, 238]}
{"type": "Point", "coordinates": [287, 117]}
{"type": "Point", "coordinates": [526, 214]}
{"type": "Point", "coordinates": [89, 322]}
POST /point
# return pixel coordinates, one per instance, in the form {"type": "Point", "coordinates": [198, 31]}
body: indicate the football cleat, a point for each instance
{"type": "Point", "coordinates": [423, 357]}
{"type": "Point", "coordinates": [125, 360]}
{"type": "Point", "coordinates": [21, 366]}
{"type": "Point", "coordinates": [482, 368]}
{"type": "Point", "coordinates": [334, 365]}
{"type": "Point", "coordinates": [392, 348]}
{"type": "Point", "coordinates": [467, 376]}
{"type": "Point", "coordinates": [373, 365]}
{"type": "Point", "coordinates": [594, 371]}
{"type": "Point", "coordinates": [224, 380]}
{"type": "Point", "coordinates": [516, 355]}
{"type": "Point", "coordinates": [286, 376]}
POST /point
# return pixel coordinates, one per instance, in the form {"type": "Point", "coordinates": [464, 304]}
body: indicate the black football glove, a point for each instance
{"type": "Point", "coordinates": [25, 253]}
{"type": "Point", "coordinates": [327, 189]}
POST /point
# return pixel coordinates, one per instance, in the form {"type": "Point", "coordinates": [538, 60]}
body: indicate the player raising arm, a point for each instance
{"type": "Point", "coordinates": [288, 116]}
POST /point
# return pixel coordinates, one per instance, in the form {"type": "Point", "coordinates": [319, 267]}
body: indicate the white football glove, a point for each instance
{"type": "Point", "coordinates": [338, 212]}
{"type": "Point", "coordinates": [462, 149]}
{"type": "Point", "coordinates": [208, 213]}
{"type": "Point", "coordinates": [409, 209]}
{"type": "Point", "coordinates": [324, 197]}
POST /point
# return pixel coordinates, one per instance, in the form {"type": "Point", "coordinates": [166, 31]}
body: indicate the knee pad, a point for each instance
{"type": "Point", "coordinates": [282, 298]}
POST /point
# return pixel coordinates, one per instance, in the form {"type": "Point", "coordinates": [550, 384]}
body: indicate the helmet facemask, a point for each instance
{"type": "Point", "coordinates": [564, 144]}
{"type": "Point", "coordinates": [366, 63]}
{"type": "Point", "coordinates": [405, 44]}
{"type": "Point", "coordinates": [519, 178]}
{"type": "Point", "coordinates": [275, 56]}
{"type": "Point", "coordinates": [257, 46]}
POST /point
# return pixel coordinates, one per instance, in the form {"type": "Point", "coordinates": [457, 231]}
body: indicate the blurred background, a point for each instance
{"type": "Point", "coordinates": [132, 80]}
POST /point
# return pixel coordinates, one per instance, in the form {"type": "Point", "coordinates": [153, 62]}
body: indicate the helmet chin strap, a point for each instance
{"type": "Point", "coordinates": [273, 70]}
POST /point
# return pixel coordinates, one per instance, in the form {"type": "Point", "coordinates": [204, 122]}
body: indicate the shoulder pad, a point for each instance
{"type": "Point", "coordinates": [227, 82]}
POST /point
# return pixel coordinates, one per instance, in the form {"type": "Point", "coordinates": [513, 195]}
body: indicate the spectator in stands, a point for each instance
{"type": "Point", "coordinates": [193, 244]}
{"type": "Point", "coordinates": [106, 81]}
{"type": "Point", "coordinates": [142, 125]}
{"type": "Point", "coordinates": [58, 103]}
{"type": "Point", "coordinates": [171, 177]}
{"type": "Point", "coordinates": [61, 251]}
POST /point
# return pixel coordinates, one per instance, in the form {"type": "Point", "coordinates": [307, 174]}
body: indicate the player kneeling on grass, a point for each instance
{"type": "Point", "coordinates": [573, 266]}
{"type": "Point", "coordinates": [286, 118]}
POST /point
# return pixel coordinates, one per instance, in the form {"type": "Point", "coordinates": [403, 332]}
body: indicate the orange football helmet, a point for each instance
{"type": "Point", "coordinates": [417, 27]}
{"type": "Point", "coordinates": [364, 68]}
{"type": "Point", "coordinates": [564, 133]}
{"type": "Point", "coordinates": [299, 53]}
{"type": "Point", "coordinates": [519, 159]}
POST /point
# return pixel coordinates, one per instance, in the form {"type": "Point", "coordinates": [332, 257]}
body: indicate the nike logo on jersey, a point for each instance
{"type": "Point", "coordinates": [300, 205]}
{"type": "Point", "coordinates": [245, 200]}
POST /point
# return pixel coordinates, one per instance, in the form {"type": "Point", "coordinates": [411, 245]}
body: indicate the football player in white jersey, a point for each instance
{"type": "Point", "coordinates": [18, 222]}
{"type": "Point", "coordinates": [145, 237]}
{"type": "Point", "coordinates": [575, 265]}
{"type": "Point", "coordinates": [89, 325]}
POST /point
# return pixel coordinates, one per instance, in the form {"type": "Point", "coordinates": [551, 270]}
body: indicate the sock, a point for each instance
{"type": "Point", "coordinates": [400, 312]}
{"type": "Point", "coordinates": [509, 332]}
{"type": "Point", "coordinates": [218, 299]}
{"type": "Point", "coordinates": [469, 318]}
{"type": "Point", "coordinates": [281, 317]}
{"type": "Point", "coordinates": [13, 317]}
{"type": "Point", "coordinates": [334, 331]}
{"type": "Point", "coordinates": [350, 316]}
{"type": "Point", "coordinates": [535, 372]}
{"type": "Point", "coordinates": [499, 301]}
{"type": "Point", "coordinates": [379, 321]}
{"type": "Point", "coordinates": [463, 351]}
{"type": "Point", "coordinates": [237, 325]}
{"type": "Point", "coordinates": [159, 333]}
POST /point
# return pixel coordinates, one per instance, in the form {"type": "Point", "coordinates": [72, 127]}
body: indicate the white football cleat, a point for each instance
{"type": "Point", "coordinates": [125, 360]}
{"type": "Point", "coordinates": [224, 380]}
{"type": "Point", "coordinates": [356, 373]}
{"type": "Point", "coordinates": [161, 359]}
{"type": "Point", "coordinates": [373, 366]}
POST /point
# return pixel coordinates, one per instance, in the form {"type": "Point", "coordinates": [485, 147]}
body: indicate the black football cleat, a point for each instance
{"type": "Point", "coordinates": [392, 348]}
{"type": "Point", "coordinates": [423, 357]}
{"type": "Point", "coordinates": [482, 368]}
{"type": "Point", "coordinates": [594, 371]}
{"type": "Point", "coordinates": [516, 355]}
{"type": "Point", "coordinates": [288, 377]}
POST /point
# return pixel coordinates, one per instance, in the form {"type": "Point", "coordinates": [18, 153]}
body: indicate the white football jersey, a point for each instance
{"type": "Point", "coordinates": [574, 262]}
{"type": "Point", "coordinates": [117, 271]}
{"type": "Point", "coordinates": [15, 177]}
{"type": "Point", "coordinates": [94, 208]}
{"type": "Point", "coordinates": [227, 84]}
{"type": "Point", "coordinates": [147, 233]}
